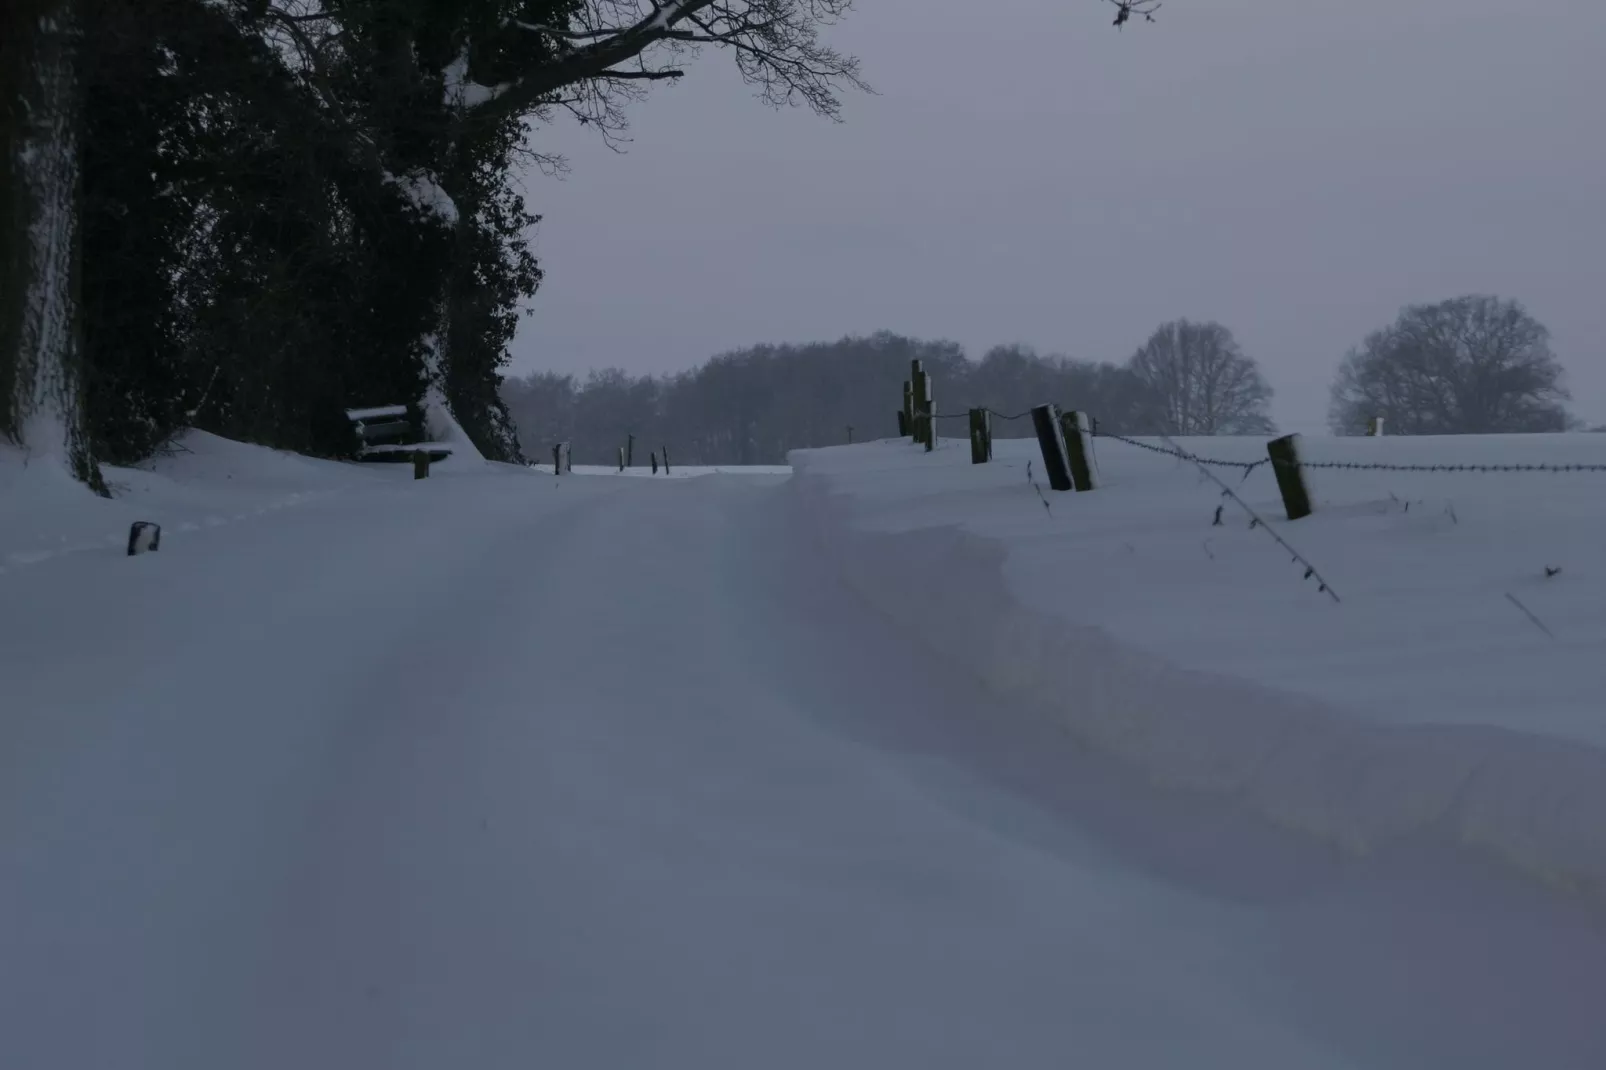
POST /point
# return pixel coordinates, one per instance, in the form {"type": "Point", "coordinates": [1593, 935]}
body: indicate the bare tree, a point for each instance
{"type": "Point", "coordinates": [1200, 383]}
{"type": "Point", "coordinates": [1470, 365]}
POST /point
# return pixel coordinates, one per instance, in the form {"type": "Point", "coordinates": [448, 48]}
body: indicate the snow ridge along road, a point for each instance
{"type": "Point", "coordinates": [498, 770]}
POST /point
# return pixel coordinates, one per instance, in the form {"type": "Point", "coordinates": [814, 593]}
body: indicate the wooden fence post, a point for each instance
{"type": "Point", "coordinates": [930, 417]}
{"type": "Point", "coordinates": [850, 434]}
{"type": "Point", "coordinates": [420, 464]}
{"type": "Point", "coordinates": [666, 460]}
{"type": "Point", "coordinates": [1284, 453]}
{"type": "Point", "coordinates": [1078, 433]}
{"type": "Point", "coordinates": [903, 420]}
{"type": "Point", "coordinates": [1045, 419]}
{"type": "Point", "coordinates": [630, 451]}
{"type": "Point", "coordinates": [655, 464]}
{"type": "Point", "coordinates": [1374, 427]}
{"type": "Point", "coordinates": [917, 401]}
{"type": "Point", "coordinates": [981, 436]}
{"type": "Point", "coordinates": [557, 459]}
{"type": "Point", "coordinates": [621, 458]}
{"type": "Point", "coordinates": [906, 417]}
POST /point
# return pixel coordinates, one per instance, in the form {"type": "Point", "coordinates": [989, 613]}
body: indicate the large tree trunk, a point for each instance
{"type": "Point", "coordinates": [40, 47]}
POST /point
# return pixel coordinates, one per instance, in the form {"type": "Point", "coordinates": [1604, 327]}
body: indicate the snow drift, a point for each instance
{"type": "Point", "coordinates": [937, 545]}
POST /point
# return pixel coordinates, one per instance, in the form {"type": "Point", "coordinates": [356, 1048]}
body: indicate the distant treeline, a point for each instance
{"type": "Point", "coordinates": [1470, 365]}
{"type": "Point", "coordinates": [753, 405]}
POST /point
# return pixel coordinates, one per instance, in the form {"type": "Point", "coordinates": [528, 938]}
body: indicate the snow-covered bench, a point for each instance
{"type": "Point", "coordinates": [393, 433]}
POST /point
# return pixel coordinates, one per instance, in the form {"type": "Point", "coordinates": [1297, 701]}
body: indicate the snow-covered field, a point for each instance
{"type": "Point", "coordinates": [674, 472]}
{"type": "Point", "coordinates": [850, 767]}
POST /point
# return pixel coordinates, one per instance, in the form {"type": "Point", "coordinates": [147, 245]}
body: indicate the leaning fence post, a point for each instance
{"type": "Point", "coordinates": [981, 445]}
{"type": "Point", "coordinates": [420, 464]}
{"type": "Point", "coordinates": [1284, 454]}
{"type": "Point", "coordinates": [666, 460]}
{"type": "Point", "coordinates": [1078, 433]}
{"type": "Point", "coordinates": [1045, 418]}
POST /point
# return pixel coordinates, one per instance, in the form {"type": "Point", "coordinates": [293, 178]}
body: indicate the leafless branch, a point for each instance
{"type": "Point", "coordinates": [1126, 10]}
{"type": "Point", "coordinates": [777, 45]}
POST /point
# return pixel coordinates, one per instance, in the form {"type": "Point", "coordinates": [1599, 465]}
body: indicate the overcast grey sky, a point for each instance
{"type": "Point", "coordinates": [1297, 169]}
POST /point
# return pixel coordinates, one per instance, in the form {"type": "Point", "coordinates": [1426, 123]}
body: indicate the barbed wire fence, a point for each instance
{"type": "Point", "coordinates": [1056, 428]}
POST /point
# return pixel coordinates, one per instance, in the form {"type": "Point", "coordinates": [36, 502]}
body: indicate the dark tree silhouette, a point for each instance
{"type": "Point", "coordinates": [1470, 365]}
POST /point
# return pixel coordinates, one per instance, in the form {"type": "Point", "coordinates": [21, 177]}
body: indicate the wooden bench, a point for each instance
{"type": "Point", "coordinates": [392, 434]}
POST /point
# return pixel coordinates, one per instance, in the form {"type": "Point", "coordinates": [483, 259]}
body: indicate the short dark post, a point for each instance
{"type": "Point", "coordinates": [630, 451]}
{"type": "Point", "coordinates": [420, 464]}
{"type": "Point", "coordinates": [621, 458]}
{"type": "Point", "coordinates": [981, 436]}
{"type": "Point", "coordinates": [655, 464]}
{"type": "Point", "coordinates": [1045, 419]}
{"type": "Point", "coordinates": [557, 459]}
{"type": "Point", "coordinates": [930, 418]}
{"type": "Point", "coordinates": [1284, 453]}
{"type": "Point", "coordinates": [850, 434]}
{"type": "Point", "coordinates": [903, 416]}
{"type": "Point", "coordinates": [666, 460]}
{"type": "Point", "coordinates": [905, 421]}
{"type": "Point", "coordinates": [144, 537]}
{"type": "Point", "coordinates": [1078, 433]}
{"type": "Point", "coordinates": [917, 402]}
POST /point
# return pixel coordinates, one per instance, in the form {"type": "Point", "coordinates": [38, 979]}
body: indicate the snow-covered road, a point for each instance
{"type": "Point", "coordinates": [506, 771]}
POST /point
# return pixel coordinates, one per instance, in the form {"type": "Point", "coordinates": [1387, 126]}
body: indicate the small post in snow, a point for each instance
{"type": "Point", "coordinates": [981, 436]}
{"type": "Point", "coordinates": [666, 460]}
{"type": "Point", "coordinates": [420, 464]}
{"type": "Point", "coordinates": [850, 434]}
{"type": "Point", "coordinates": [1078, 432]}
{"type": "Point", "coordinates": [144, 537]}
{"type": "Point", "coordinates": [630, 451]}
{"type": "Point", "coordinates": [930, 419]}
{"type": "Point", "coordinates": [557, 459]}
{"type": "Point", "coordinates": [655, 464]}
{"type": "Point", "coordinates": [906, 417]}
{"type": "Point", "coordinates": [1051, 440]}
{"type": "Point", "coordinates": [621, 458]}
{"type": "Point", "coordinates": [1374, 427]}
{"type": "Point", "coordinates": [1284, 454]}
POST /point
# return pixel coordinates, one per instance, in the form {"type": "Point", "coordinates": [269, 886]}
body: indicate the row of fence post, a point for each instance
{"type": "Point", "coordinates": [563, 458]}
{"type": "Point", "coordinates": [1066, 442]}
{"type": "Point", "coordinates": [627, 457]}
